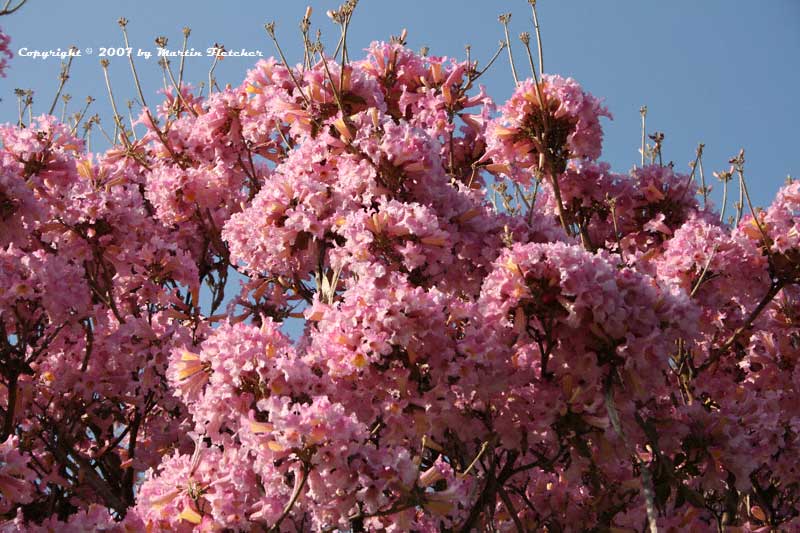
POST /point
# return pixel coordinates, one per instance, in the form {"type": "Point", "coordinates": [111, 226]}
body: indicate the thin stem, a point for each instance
{"type": "Point", "coordinates": [177, 87]}
{"type": "Point", "coordinates": [350, 8]}
{"type": "Point", "coordinates": [8, 423]}
{"type": "Point", "coordinates": [211, 80]}
{"type": "Point", "coordinates": [82, 114]}
{"type": "Point", "coordinates": [740, 203]}
{"type": "Point", "coordinates": [64, 454]}
{"type": "Point", "coordinates": [87, 135]}
{"type": "Point", "coordinates": [538, 37]}
{"type": "Point", "coordinates": [740, 170]}
{"type": "Point", "coordinates": [477, 458]}
{"type": "Point", "coordinates": [486, 497]}
{"type": "Point", "coordinates": [7, 11]}
{"type": "Point", "coordinates": [647, 479]}
{"type": "Point", "coordinates": [612, 202]}
{"type": "Point", "coordinates": [117, 119]}
{"type": "Point", "coordinates": [698, 155]}
{"type": "Point", "coordinates": [186, 32]}
{"type": "Point", "coordinates": [133, 433]}
{"type": "Point", "coordinates": [649, 497]}
{"type": "Point", "coordinates": [561, 211]}
{"type": "Point", "coordinates": [336, 93]}
{"type": "Point", "coordinates": [643, 112]}
{"type": "Point", "coordinates": [491, 61]}
{"type": "Point", "coordinates": [270, 27]}
{"type": "Point", "coordinates": [123, 24]}
{"type": "Point", "coordinates": [703, 178]}
{"type": "Point", "coordinates": [724, 200]}
{"type": "Point", "coordinates": [586, 240]}
{"type": "Point", "coordinates": [295, 494]}
{"type": "Point", "coordinates": [19, 108]}
{"type": "Point", "coordinates": [526, 41]}
{"type": "Point", "coordinates": [131, 121]}
{"type": "Point", "coordinates": [504, 21]}
{"type": "Point", "coordinates": [774, 289]}
{"type": "Point", "coordinates": [704, 271]}
{"type": "Point", "coordinates": [162, 134]}
{"type": "Point", "coordinates": [163, 63]}
{"type": "Point", "coordinates": [102, 130]}
{"type": "Point", "coordinates": [501, 491]}
{"type": "Point", "coordinates": [338, 47]}
{"type": "Point", "coordinates": [305, 25]}
{"type": "Point", "coordinates": [344, 51]}
{"type": "Point", "coordinates": [282, 136]}
{"type": "Point", "coordinates": [89, 332]}
{"type": "Point", "coordinates": [521, 195]}
{"type": "Point", "coordinates": [533, 200]}
{"type": "Point", "coordinates": [63, 77]}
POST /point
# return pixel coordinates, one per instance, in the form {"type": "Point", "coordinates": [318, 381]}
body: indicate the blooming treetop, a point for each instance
{"type": "Point", "coordinates": [577, 349]}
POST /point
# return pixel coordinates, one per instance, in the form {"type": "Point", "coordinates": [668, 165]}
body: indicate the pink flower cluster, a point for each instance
{"type": "Point", "coordinates": [5, 53]}
{"type": "Point", "coordinates": [778, 230]}
{"type": "Point", "coordinates": [16, 479]}
{"type": "Point", "coordinates": [545, 124]}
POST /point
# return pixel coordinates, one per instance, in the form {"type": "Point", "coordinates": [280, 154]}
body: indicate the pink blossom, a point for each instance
{"type": "Point", "coordinates": [569, 115]}
{"type": "Point", "coordinates": [4, 51]}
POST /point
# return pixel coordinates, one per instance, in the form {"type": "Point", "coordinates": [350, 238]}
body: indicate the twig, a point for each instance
{"type": "Point", "coordinates": [774, 289]}
{"type": "Point", "coordinates": [477, 458]}
{"type": "Point", "coordinates": [740, 204]}
{"type": "Point", "coordinates": [643, 112]}
{"type": "Point", "coordinates": [186, 32]}
{"type": "Point", "coordinates": [526, 41]}
{"type": "Point", "coordinates": [123, 23]}
{"type": "Point", "coordinates": [9, 10]}
{"type": "Point", "coordinates": [504, 18]}
{"type": "Point", "coordinates": [740, 170]}
{"type": "Point", "coordinates": [345, 24]}
{"type": "Point", "coordinates": [612, 203]}
{"type": "Point", "coordinates": [562, 217]}
{"type": "Point", "coordinates": [521, 194]}
{"type": "Point", "coordinates": [305, 26]}
{"type": "Point", "coordinates": [211, 80]}
{"type": "Point", "coordinates": [177, 87]}
{"type": "Point", "coordinates": [535, 193]}
{"type": "Point", "coordinates": [704, 271]}
{"type": "Point", "coordinates": [65, 98]}
{"type": "Point", "coordinates": [8, 423]}
{"type": "Point", "coordinates": [336, 92]}
{"type": "Point", "coordinates": [298, 488]}
{"type": "Point", "coordinates": [538, 37]}
{"type": "Point", "coordinates": [702, 175]}
{"type": "Point", "coordinates": [86, 470]}
{"type": "Point", "coordinates": [698, 155]}
{"type": "Point", "coordinates": [480, 73]}
{"type": "Point", "coordinates": [270, 27]}
{"type": "Point", "coordinates": [19, 94]}
{"type": "Point", "coordinates": [63, 77]}
{"type": "Point", "coordinates": [117, 117]}
{"type": "Point", "coordinates": [647, 480]}
{"type": "Point", "coordinates": [501, 491]}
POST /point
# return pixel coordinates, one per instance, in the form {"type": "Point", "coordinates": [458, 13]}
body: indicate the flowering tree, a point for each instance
{"type": "Point", "coordinates": [498, 331]}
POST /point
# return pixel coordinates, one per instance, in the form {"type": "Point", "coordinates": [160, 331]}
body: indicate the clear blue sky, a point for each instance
{"type": "Point", "coordinates": [724, 72]}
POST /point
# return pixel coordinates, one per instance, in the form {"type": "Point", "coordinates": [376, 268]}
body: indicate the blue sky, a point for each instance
{"type": "Point", "coordinates": [722, 72]}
